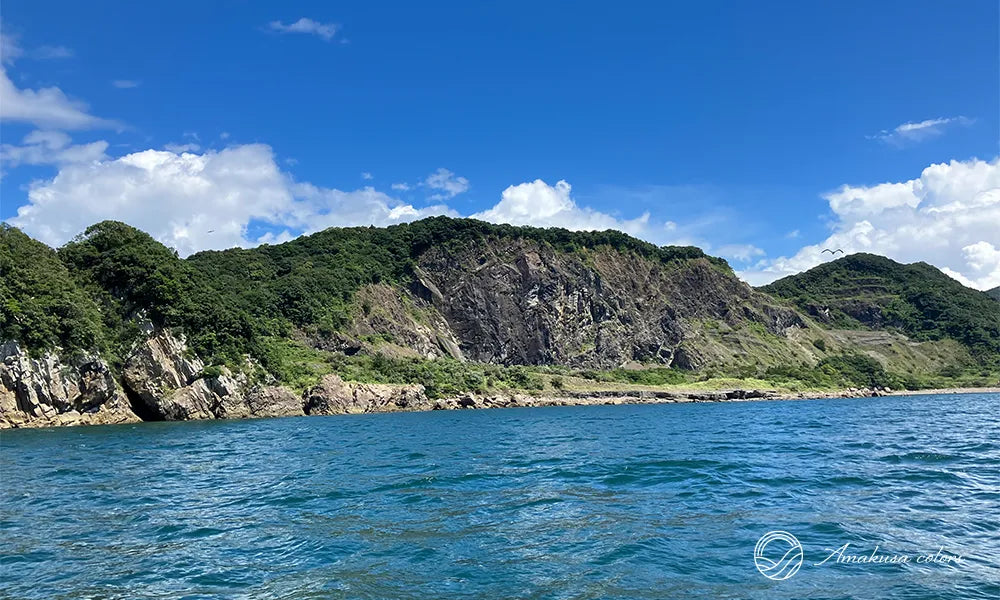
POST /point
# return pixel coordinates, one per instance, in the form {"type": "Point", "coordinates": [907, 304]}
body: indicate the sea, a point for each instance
{"type": "Point", "coordinates": [889, 498]}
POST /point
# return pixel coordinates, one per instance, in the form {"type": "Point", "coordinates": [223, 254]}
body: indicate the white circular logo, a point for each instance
{"type": "Point", "coordinates": [778, 555]}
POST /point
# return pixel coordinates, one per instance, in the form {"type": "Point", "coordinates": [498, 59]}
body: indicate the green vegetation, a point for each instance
{"type": "Point", "coordinates": [96, 292]}
{"type": "Point", "coordinates": [40, 304]}
{"type": "Point", "coordinates": [235, 302]}
{"type": "Point", "coordinates": [865, 290]}
{"type": "Point", "coordinates": [656, 376]}
{"type": "Point", "coordinates": [994, 293]}
{"type": "Point", "coordinates": [838, 371]}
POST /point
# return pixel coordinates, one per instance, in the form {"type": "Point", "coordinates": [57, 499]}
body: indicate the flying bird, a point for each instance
{"type": "Point", "coordinates": [211, 231]}
{"type": "Point", "coordinates": [832, 251]}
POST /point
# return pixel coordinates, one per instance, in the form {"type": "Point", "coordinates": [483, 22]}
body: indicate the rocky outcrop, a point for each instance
{"type": "Point", "coordinates": [519, 301]}
{"type": "Point", "coordinates": [48, 391]}
{"type": "Point", "coordinates": [334, 396]}
{"type": "Point", "coordinates": [167, 383]}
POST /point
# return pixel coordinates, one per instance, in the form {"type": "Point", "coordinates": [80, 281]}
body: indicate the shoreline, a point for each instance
{"type": "Point", "coordinates": [470, 401]}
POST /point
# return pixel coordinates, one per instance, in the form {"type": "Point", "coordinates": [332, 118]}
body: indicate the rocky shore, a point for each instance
{"type": "Point", "coordinates": [161, 381]}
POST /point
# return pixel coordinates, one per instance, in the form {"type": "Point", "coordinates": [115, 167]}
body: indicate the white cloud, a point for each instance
{"type": "Point", "coordinates": [46, 108]}
{"type": "Point", "coordinates": [793, 234]}
{"type": "Point", "coordinates": [447, 184]}
{"type": "Point", "coordinates": [51, 148]}
{"type": "Point", "coordinates": [400, 187]}
{"type": "Point", "coordinates": [10, 50]}
{"type": "Point", "coordinates": [324, 30]}
{"type": "Point", "coordinates": [367, 176]}
{"type": "Point", "coordinates": [202, 201]}
{"type": "Point", "coordinates": [177, 199]}
{"type": "Point", "coordinates": [911, 133]}
{"type": "Point", "coordinates": [125, 84]}
{"type": "Point", "coordinates": [739, 252]}
{"type": "Point", "coordinates": [320, 208]}
{"type": "Point", "coordinates": [51, 52]}
{"type": "Point", "coordinates": [542, 205]}
{"type": "Point", "coordinates": [212, 200]}
{"type": "Point", "coordinates": [948, 217]}
{"type": "Point", "coordinates": [181, 148]}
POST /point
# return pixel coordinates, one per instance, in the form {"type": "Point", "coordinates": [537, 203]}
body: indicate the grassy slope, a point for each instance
{"type": "Point", "coordinates": [865, 291]}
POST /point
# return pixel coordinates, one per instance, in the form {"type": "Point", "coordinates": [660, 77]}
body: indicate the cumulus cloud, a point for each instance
{"type": "Point", "coordinates": [914, 132]}
{"type": "Point", "coordinates": [50, 148]}
{"type": "Point", "coordinates": [195, 202]}
{"type": "Point", "coordinates": [46, 107]}
{"type": "Point", "coordinates": [542, 205]}
{"type": "Point", "coordinates": [948, 217]}
{"type": "Point", "coordinates": [308, 26]}
{"type": "Point", "coordinates": [739, 252]}
{"type": "Point", "coordinates": [446, 183]}
{"type": "Point", "coordinates": [400, 187]}
{"type": "Point", "coordinates": [320, 208]}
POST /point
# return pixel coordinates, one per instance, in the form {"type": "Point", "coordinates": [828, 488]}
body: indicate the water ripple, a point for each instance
{"type": "Point", "coordinates": [656, 501]}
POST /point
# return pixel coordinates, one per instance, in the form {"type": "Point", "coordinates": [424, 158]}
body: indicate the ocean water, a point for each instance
{"type": "Point", "coordinates": [654, 501]}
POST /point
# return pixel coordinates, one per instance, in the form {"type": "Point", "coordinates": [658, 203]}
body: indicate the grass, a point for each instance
{"type": "Point", "coordinates": [301, 367]}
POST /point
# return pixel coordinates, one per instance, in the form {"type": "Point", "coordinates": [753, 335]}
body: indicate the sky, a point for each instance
{"type": "Point", "coordinates": [761, 132]}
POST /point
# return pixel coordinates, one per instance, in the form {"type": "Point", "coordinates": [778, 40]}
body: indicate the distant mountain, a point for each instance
{"type": "Point", "coordinates": [866, 290]}
{"type": "Point", "coordinates": [994, 293]}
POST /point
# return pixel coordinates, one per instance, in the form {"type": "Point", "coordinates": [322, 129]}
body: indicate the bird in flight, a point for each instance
{"type": "Point", "coordinates": [211, 231]}
{"type": "Point", "coordinates": [832, 251]}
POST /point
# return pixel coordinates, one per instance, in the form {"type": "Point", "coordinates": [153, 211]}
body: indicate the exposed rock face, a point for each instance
{"type": "Point", "coordinates": [47, 391]}
{"type": "Point", "coordinates": [517, 301]}
{"type": "Point", "coordinates": [334, 396]}
{"type": "Point", "coordinates": [169, 384]}
{"type": "Point", "coordinates": [270, 401]}
{"type": "Point", "coordinates": [406, 321]}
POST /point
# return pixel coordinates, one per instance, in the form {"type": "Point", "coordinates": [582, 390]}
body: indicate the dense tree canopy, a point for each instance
{"type": "Point", "coordinates": [873, 291]}
{"type": "Point", "coordinates": [41, 306]}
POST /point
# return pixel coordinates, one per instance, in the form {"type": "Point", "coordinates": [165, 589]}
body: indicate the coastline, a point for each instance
{"type": "Point", "coordinates": [470, 401]}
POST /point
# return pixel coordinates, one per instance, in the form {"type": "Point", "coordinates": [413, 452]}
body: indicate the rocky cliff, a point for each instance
{"type": "Point", "coordinates": [519, 301]}
{"type": "Point", "coordinates": [53, 391]}
{"type": "Point", "coordinates": [91, 332]}
{"type": "Point", "coordinates": [161, 381]}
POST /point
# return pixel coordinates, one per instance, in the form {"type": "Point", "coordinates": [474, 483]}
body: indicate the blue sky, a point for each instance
{"type": "Point", "coordinates": [729, 125]}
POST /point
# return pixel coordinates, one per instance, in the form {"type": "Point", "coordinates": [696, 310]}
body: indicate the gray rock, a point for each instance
{"type": "Point", "coordinates": [334, 396]}
{"type": "Point", "coordinates": [50, 391]}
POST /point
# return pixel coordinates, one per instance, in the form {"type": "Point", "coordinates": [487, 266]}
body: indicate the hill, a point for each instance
{"type": "Point", "coordinates": [994, 293]}
{"type": "Point", "coordinates": [115, 326]}
{"type": "Point", "coordinates": [874, 292]}
{"type": "Point", "coordinates": [437, 287]}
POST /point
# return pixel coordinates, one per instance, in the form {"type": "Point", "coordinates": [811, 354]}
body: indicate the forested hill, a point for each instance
{"type": "Point", "coordinates": [994, 293]}
{"type": "Point", "coordinates": [95, 290]}
{"type": "Point", "coordinates": [871, 291]}
{"type": "Point", "coordinates": [466, 290]}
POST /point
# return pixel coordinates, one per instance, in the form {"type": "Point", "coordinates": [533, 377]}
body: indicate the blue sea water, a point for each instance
{"type": "Point", "coordinates": [651, 501]}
